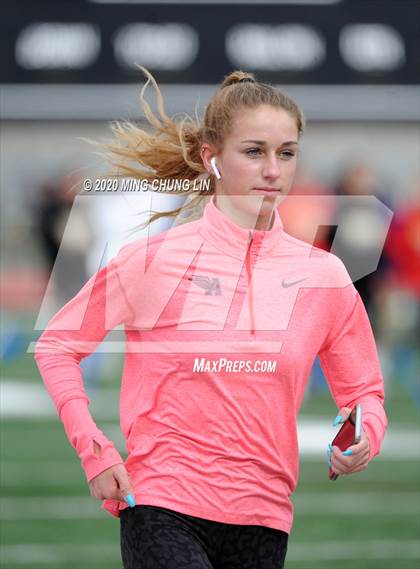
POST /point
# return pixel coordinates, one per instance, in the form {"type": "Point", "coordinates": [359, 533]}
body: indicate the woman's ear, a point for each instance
{"type": "Point", "coordinates": [207, 152]}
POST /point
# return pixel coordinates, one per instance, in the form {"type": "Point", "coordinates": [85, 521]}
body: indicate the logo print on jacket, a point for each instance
{"type": "Point", "coordinates": [284, 284]}
{"type": "Point", "coordinates": [210, 285]}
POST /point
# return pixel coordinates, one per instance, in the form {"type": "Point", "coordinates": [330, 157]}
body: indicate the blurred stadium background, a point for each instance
{"type": "Point", "coordinates": [67, 71]}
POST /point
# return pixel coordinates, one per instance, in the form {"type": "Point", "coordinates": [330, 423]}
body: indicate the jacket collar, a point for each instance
{"type": "Point", "coordinates": [233, 240]}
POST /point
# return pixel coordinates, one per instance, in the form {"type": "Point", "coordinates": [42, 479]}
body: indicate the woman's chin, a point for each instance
{"type": "Point", "coordinates": [262, 205]}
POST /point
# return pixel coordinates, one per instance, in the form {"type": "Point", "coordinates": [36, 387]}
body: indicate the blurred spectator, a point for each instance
{"type": "Point", "coordinates": [46, 211]}
{"type": "Point", "coordinates": [403, 247]}
{"type": "Point", "coordinates": [400, 301]}
{"type": "Point", "coordinates": [361, 226]}
{"type": "Point", "coordinates": [64, 228]}
{"type": "Point", "coordinates": [65, 236]}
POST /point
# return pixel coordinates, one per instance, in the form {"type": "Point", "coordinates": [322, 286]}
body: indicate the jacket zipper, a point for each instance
{"type": "Point", "coordinates": [250, 285]}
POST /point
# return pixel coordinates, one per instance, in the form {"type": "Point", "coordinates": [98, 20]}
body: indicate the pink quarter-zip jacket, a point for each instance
{"type": "Point", "coordinates": [222, 325]}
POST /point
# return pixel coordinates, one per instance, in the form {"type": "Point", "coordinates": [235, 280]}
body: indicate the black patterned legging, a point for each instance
{"type": "Point", "coordinates": [158, 538]}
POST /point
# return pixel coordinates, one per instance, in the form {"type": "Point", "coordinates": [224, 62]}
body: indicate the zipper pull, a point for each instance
{"type": "Point", "coordinates": [250, 237]}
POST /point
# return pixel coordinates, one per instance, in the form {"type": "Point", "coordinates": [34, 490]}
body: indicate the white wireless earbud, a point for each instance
{"type": "Point", "coordinates": [215, 170]}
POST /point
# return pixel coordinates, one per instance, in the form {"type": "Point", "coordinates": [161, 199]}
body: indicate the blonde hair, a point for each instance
{"type": "Point", "coordinates": [171, 149]}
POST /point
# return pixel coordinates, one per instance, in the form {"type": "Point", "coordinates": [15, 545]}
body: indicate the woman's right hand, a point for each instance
{"type": "Point", "coordinates": [113, 483]}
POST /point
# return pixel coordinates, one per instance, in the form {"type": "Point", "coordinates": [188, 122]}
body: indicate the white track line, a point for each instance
{"type": "Point", "coordinates": [363, 550]}
{"type": "Point", "coordinates": [51, 554]}
{"type": "Point", "coordinates": [41, 473]}
{"type": "Point", "coordinates": [25, 400]}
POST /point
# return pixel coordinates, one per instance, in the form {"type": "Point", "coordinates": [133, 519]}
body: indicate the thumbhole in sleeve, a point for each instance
{"type": "Point", "coordinates": [97, 449]}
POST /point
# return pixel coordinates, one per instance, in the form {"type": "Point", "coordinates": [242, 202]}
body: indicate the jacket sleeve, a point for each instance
{"type": "Point", "coordinates": [350, 362]}
{"type": "Point", "coordinates": [72, 334]}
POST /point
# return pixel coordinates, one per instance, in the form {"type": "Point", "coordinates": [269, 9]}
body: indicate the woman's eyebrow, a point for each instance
{"type": "Point", "coordinates": [262, 142]}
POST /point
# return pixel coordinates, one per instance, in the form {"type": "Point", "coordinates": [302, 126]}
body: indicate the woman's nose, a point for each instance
{"type": "Point", "coordinates": [271, 168]}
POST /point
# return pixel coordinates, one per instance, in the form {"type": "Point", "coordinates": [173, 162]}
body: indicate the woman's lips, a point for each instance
{"type": "Point", "coordinates": [268, 191]}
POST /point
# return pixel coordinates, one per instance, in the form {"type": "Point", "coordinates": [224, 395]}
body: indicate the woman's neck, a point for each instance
{"type": "Point", "coordinates": [243, 218]}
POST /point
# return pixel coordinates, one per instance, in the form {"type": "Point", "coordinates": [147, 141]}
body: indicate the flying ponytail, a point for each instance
{"type": "Point", "coordinates": [170, 149]}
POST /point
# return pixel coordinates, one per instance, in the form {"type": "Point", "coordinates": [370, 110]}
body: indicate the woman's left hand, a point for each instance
{"type": "Point", "coordinates": [355, 458]}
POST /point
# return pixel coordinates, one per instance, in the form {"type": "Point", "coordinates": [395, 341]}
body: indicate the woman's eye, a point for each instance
{"type": "Point", "coordinates": [287, 154]}
{"type": "Point", "coordinates": [284, 154]}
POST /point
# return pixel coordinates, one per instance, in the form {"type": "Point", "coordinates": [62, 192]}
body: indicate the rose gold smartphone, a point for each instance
{"type": "Point", "coordinates": [349, 434]}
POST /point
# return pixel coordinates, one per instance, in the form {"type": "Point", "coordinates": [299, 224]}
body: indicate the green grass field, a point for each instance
{"type": "Point", "coordinates": [48, 519]}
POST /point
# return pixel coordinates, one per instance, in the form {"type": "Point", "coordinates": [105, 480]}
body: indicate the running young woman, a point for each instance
{"type": "Point", "coordinates": [223, 318]}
